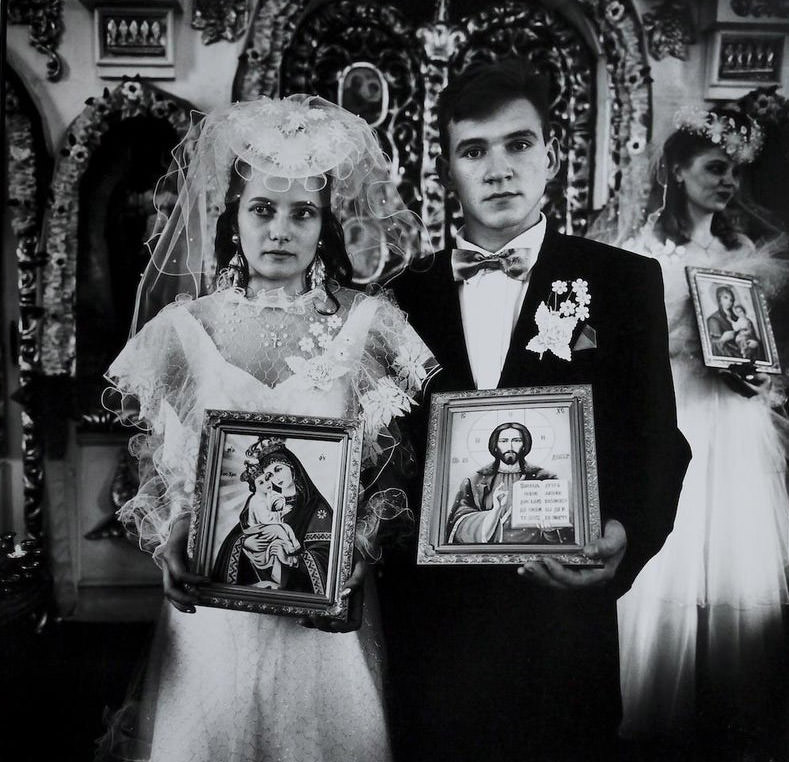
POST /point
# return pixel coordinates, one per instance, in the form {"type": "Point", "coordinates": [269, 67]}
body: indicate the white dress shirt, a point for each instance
{"type": "Point", "coordinates": [490, 303]}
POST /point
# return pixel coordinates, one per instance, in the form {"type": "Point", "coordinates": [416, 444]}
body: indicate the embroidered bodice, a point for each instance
{"type": "Point", "coordinates": [271, 353]}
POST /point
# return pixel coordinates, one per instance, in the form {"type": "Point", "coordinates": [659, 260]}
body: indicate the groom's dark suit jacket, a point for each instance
{"type": "Point", "coordinates": [478, 655]}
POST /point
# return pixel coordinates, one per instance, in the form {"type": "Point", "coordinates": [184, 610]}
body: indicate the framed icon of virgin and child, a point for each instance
{"type": "Point", "coordinates": [733, 320]}
{"type": "Point", "coordinates": [275, 512]}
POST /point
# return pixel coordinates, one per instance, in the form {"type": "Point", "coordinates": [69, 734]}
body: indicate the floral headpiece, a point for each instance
{"type": "Point", "coordinates": [293, 138]}
{"type": "Point", "coordinates": [301, 138]}
{"type": "Point", "coordinates": [741, 143]}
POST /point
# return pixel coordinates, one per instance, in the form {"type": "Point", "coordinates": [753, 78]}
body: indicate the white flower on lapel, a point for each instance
{"type": "Point", "coordinates": [554, 332]}
{"type": "Point", "coordinates": [556, 322]}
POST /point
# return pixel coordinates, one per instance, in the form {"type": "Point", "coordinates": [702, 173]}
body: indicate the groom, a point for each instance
{"type": "Point", "coordinates": [501, 662]}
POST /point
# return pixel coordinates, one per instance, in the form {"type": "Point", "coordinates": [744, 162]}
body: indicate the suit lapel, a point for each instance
{"type": "Point", "coordinates": [518, 362]}
{"type": "Point", "coordinates": [444, 310]}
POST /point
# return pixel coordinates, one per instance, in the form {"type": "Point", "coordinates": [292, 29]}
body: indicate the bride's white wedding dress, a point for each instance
{"type": "Point", "coordinates": [226, 686]}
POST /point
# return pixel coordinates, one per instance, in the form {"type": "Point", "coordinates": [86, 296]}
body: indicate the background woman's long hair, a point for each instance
{"type": "Point", "coordinates": [673, 222]}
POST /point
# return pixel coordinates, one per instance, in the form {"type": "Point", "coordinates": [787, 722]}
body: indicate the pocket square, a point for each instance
{"type": "Point", "coordinates": [587, 339]}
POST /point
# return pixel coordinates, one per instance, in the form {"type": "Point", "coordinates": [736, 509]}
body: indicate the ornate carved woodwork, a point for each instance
{"type": "Point", "coordinates": [28, 168]}
{"type": "Point", "coordinates": [327, 43]}
{"type": "Point", "coordinates": [220, 19]}
{"type": "Point", "coordinates": [131, 99]}
{"type": "Point", "coordinates": [761, 8]}
{"type": "Point", "coordinates": [269, 38]}
{"type": "Point", "coordinates": [45, 27]}
{"type": "Point", "coordinates": [288, 51]}
{"type": "Point", "coordinates": [670, 29]}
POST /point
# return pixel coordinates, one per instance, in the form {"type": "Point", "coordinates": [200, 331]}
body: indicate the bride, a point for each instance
{"type": "Point", "coordinates": [245, 305]}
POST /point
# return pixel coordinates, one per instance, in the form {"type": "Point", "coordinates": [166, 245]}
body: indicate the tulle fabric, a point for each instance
{"type": "Point", "coordinates": [704, 616]}
{"type": "Point", "coordinates": [301, 138]}
{"type": "Point", "coordinates": [272, 353]}
{"type": "Point", "coordinates": [239, 687]}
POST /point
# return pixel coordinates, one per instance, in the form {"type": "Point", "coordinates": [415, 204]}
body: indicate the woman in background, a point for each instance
{"type": "Point", "coordinates": [701, 635]}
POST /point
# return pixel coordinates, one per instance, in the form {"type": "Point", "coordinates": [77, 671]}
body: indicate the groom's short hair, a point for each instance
{"type": "Point", "coordinates": [482, 87]}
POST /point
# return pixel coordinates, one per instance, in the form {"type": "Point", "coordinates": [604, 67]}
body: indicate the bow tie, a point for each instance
{"type": "Point", "coordinates": [514, 263]}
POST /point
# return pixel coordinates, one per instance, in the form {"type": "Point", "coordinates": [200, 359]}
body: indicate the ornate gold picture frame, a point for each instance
{"type": "Point", "coordinates": [510, 476]}
{"type": "Point", "coordinates": [733, 320]}
{"type": "Point", "coordinates": [275, 512]}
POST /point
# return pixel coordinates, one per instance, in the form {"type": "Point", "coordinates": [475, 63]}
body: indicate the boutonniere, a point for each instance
{"type": "Point", "coordinates": [556, 322]}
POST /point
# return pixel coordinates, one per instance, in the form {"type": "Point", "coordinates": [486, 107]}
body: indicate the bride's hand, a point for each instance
{"type": "Point", "coordinates": [176, 579]}
{"type": "Point", "coordinates": [354, 591]}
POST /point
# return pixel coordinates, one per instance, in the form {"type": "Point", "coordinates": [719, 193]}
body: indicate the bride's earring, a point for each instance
{"type": "Point", "coordinates": [316, 272]}
{"type": "Point", "coordinates": [238, 266]}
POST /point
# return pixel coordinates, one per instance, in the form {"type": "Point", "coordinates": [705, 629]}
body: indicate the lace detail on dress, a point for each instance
{"type": "Point", "coordinates": [272, 353]}
{"type": "Point", "coordinates": [745, 258]}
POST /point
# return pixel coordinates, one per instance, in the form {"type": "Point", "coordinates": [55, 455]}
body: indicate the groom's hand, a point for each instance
{"type": "Point", "coordinates": [608, 549]}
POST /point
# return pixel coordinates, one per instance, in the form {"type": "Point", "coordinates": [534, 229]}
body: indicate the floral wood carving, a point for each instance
{"type": "Point", "coordinates": [130, 99]}
{"type": "Point", "coordinates": [220, 19]}
{"type": "Point", "coordinates": [45, 27]}
{"type": "Point", "coordinates": [759, 8]}
{"type": "Point", "coordinates": [670, 29]}
{"type": "Point", "coordinates": [260, 63]}
{"type": "Point", "coordinates": [26, 178]}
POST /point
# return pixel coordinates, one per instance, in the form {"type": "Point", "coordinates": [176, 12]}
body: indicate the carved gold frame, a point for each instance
{"type": "Point", "coordinates": [202, 542]}
{"type": "Point", "coordinates": [696, 278]}
{"type": "Point", "coordinates": [434, 546]}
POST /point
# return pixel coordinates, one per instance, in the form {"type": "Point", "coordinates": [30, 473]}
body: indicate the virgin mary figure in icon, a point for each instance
{"type": "Point", "coordinates": [282, 539]}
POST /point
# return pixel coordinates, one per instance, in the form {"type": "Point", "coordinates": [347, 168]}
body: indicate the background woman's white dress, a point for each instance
{"type": "Point", "coordinates": [703, 619]}
{"type": "Point", "coordinates": [240, 687]}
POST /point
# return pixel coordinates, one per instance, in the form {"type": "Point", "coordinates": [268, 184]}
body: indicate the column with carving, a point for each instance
{"type": "Point", "coordinates": [24, 217]}
{"type": "Point", "coordinates": [440, 40]}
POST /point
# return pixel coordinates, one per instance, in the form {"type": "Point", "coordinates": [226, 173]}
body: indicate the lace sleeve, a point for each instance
{"type": "Point", "coordinates": [394, 369]}
{"type": "Point", "coordinates": [152, 388]}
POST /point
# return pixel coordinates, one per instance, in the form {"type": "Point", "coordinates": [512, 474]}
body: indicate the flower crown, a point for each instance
{"type": "Point", "coordinates": [740, 143]}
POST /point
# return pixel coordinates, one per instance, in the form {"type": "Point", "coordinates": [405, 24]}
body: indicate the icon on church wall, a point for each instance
{"type": "Point", "coordinates": [363, 91]}
{"type": "Point", "coordinates": [275, 512]}
{"type": "Point", "coordinates": [510, 476]}
{"type": "Point", "coordinates": [367, 249]}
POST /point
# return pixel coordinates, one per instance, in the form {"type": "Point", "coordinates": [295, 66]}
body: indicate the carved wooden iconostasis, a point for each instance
{"type": "Point", "coordinates": [385, 61]}
{"type": "Point", "coordinates": [99, 216]}
{"type": "Point", "coordinates": [24, 582]}
{"type": "Point", "coordinates": [395, 58]}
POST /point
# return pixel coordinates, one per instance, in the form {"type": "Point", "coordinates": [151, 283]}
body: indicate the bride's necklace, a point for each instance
{"type": "Point", "coordinates": [704, 247]}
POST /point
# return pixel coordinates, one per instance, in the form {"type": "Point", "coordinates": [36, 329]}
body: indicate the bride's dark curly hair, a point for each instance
{"type": "Point", "coordinates": [679, 150]}
{"type": "Point", "coordinates": [331, 249]}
